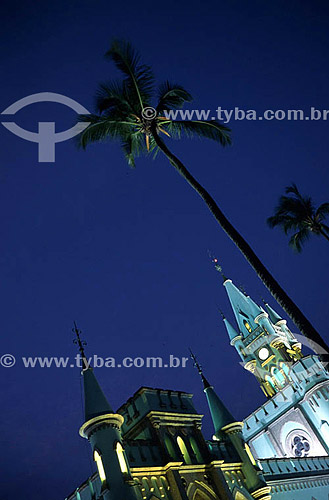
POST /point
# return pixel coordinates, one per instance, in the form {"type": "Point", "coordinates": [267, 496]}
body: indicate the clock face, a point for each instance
{"type": "Point", "coordinates": [263, 353]}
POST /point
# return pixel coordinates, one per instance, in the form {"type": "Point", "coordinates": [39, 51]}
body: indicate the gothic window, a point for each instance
{"type": "Point", "coordinates": [278, 377]}
{"type": "Point", "coordinates": [121, 457]}
{"type": "Point", "coordinates": [285, 368]}
{"type": "Point", "coordinates": [169, 446]}
{"type": "Point", "coordinates": [155, 486]}
{"type": "Point", "coordinates": [247, 325]}
{"type": "Point", "coordinates": [183, 450]}
{"type": "Point", "coordinates": [195, 449]}
{"type": "Point", "coordinates": [100, 466]}
{"type": "Point", "coordinates": [240, 496]}
{"type": "Point", "coordinates": [250, 455]}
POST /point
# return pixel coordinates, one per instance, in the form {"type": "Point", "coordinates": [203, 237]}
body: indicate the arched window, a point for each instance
{"type": "Point", "coordinates": [169, 446]}
{"type": "Point", "coordinates": [285, 368]}
{"type": "Point", "coordinates": [155, 485]}
{"type": "Point", "coordinates": [121, 457]}
{"type": "Point", "coordinates": [195, 449]}
{"type": "Point", "coordinates": [250, 455]}
{"type": "Point", "coordinates": [183, 449]}
{"type": "Point", "coordinates": [247, 325]}
{"type": "Point", "coordinates": [279, 378]}
{"type": "Point", "coordinates": [100, 466]}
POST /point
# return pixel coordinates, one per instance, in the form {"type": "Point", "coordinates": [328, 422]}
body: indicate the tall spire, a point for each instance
{"type": "Point", "coordinates": [244, 308]}
{"type": "Point", "coordinates": [96, 403]}
{"type": "Point", "coordinates": [232, 333]}
{"type": "Point", "coordinates": [219, 413]}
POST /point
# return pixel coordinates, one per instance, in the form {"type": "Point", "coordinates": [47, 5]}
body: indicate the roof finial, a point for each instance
{"type": "Point", "coordinates": [242, 289]}
{"type": "Point", "coordinates": [81, 343]}
{"type": "Point", "coordinates": [217, 265]}
{"type": "Point", "coordinates": [221, 313]}
{"type": "Point", "coordinates": [197, 365]}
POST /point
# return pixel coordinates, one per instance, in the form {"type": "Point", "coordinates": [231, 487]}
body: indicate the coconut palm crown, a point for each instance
{"type": "Point", "coordinates": [298, 215]}
{"type": "Point", "coordinates": [131, 111]}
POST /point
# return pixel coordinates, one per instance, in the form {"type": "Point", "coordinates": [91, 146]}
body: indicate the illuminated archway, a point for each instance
{"type": "Point", "coordinates": [121, 457]}
{"type": "Point", "coordinates": [184, 451]}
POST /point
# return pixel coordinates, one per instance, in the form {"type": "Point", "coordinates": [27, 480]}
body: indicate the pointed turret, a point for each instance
{"type": "Point", "coordinates": [274, 316]}
{"type": "Point", "coordinates": [96, 403]}
{"type": "Point", "coordinates": [219, 413]}
{"type": "Point", "coordinates": [244, 308]}
{"type": "Point", "coordinates": [102, 428]}
{"type": "Point", "coordinates": [232, 333]}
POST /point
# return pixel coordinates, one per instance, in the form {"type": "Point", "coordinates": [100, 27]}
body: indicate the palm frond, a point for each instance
{"type": "Point", "coordinates": [139, 77]}
{"type": "Point", "coordinates": [322, 211]}
{"type": "Point", "coordinates": [113, 95]}
{"type": "Point", "coordinates": [172, 96]}
{"type": "Point", "coordinates": [293, 189]}
{"type": "Point", "coordinates": [103, 128]}
{"type": "Point", "coordinates": [298, 239]}
{"type": "Point", "coordinates": [134, 146]}
{"type": "Point", "coordinates": [287, 222]}
{"type": "Point", "coordinates": [211, 129]}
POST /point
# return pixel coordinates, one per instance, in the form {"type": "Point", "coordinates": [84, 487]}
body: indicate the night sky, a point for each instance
{"type": "Point", "coordinates": [124, 252]}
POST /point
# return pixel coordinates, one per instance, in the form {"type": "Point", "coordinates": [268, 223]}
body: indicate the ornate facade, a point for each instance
{"type": "Point", "coordinates": [152, 447]}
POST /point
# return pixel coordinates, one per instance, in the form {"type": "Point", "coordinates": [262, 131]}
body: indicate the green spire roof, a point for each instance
{"type": "Point", "coordinates": [96, 403]}
{"type": "Point", "coordinates": [274, 317]}
{"type": "Point", "coordinates": [244, 308]}
{"type": "Point", "coordinates": [219, 413]}
{"type": "Point", "coordinates": [232, 333]}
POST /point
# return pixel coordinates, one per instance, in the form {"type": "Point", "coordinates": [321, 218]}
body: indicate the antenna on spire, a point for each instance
{"type": "Point", "coordinates": [221, 313]}
{"type": "Point", "coordinates": [217, 265]}
{"type": "Point", "coordinates": [81, 344]}
{"type": "Point", "coordinates": [197, 365]}
{"type": "Point", "coordinates": [195, 361]}
{"type": "Point", "coordinates": [242, 289]}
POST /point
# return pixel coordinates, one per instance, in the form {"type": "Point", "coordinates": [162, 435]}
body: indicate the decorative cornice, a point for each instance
{"type": "Point", "coordinates": [251, 365]}
{"type": "Point", "coordinates": [109, 419]}
{"type": "Point", "coordinates": [233, 427]}
{"type": "Point", "coordinates": [233, 341]}
{"type": "Point", "coordinates": [161, 418]}
{"type": "Point", "coordinates": [262, 493]}
{"type": "Point", "coordinates": [261, 315]}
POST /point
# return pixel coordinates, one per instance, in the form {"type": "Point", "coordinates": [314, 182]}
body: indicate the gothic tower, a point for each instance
{"type": "Point", "coordinates": [102, 428]}
{"type": "Point", "coordinates": [263, 341]}
{"type": "Point", "coordinates": [294, 422]}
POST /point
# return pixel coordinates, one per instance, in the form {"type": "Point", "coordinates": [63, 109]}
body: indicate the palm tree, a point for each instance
{"type": "Point", "coordinates": [124, 113]}
{"type": "Point", "coordinates": [297, 214]}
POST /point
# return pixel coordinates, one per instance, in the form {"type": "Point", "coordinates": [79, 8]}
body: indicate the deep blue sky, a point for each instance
{"type": "Point", "coordinates": [125, 252]}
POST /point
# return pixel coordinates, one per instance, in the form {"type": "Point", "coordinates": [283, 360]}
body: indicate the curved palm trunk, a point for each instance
{"type": "Point", "coordinates": [306, 328]}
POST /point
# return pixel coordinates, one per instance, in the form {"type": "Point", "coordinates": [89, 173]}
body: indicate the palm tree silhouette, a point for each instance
{"type": "Point", "coordinates": [124, 113]}
{"type": "Point", "coordinates": [298, 215]}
